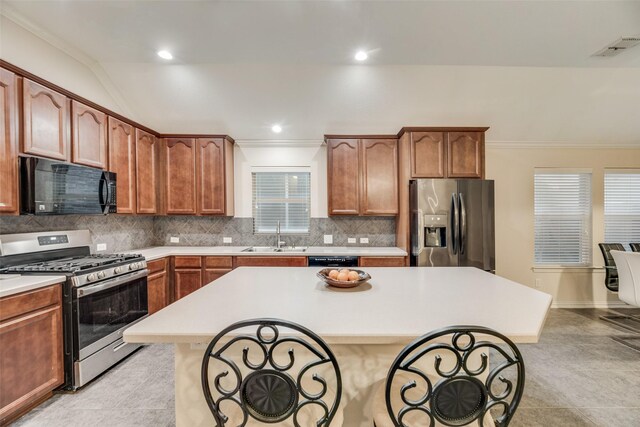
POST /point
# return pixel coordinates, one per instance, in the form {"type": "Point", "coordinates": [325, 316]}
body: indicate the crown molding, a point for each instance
{"type": "Point", "coordinates": [561, 144]}
{"type": "Point", "coordinates": [263, 143]}
{"type": "Point", "coordinates": [94, 66]}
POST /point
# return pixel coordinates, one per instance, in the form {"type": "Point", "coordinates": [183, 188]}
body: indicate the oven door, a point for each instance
{"type": "Point", "coordinates": [104, 310]}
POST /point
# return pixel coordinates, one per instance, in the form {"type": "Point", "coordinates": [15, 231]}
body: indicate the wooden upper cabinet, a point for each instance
{"type": "Point", "coordinates": [9, 145]}
{"type": "Point", "coordinates": [88, 136]}
{"type": "Point", "coordinates": [379, 160]}
{"type": "Point", "coordinates": [148, 180]}
{"type": "Point", "coordinates": [343, 176]}
{"type": "Point", "coordinates": [213, 191]}
{"type": "Point", "coordinates": [46, 122]}
{"type": "Point", "coordinates": [465, 154]}
{"type": "Point", "coordinates": [427, 155]}
{"type": "Point", "coordinates": [180, 176]}
{"type": "Point", "coordinates": [122, 161]}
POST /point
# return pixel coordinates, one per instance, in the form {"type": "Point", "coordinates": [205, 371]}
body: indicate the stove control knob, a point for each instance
{"type": "Point", "coordinates": [101, 275]}
{"type": "Point", "coordinates": [133, 266]}
{"type": "Point", "coordinates": [117, 270]}
{"type": "Point", "coordinates": [91, 277]}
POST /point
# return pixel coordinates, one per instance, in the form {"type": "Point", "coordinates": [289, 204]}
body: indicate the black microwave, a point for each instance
{"type": "Point", "coordinates": [49, 187]}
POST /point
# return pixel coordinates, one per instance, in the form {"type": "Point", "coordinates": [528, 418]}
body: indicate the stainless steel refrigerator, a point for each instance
{"type": "Point", "coordinates": [452, 223]}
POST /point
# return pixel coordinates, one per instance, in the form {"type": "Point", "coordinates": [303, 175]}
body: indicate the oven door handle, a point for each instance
{"type": "Point", "coordinates": [111, 283]}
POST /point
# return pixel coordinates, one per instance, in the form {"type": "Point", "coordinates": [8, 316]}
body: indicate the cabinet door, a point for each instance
{"type": "Point", "coordinates": [180, 185]}
{"type": "Point", "coordinates": [147, 173]}
{"type": "Point", "coordinates": [379, 176]}
{"type": "Point", "coordinates": [88, 136]}
{"type": "Point", "coordinates": [122, 161]}
{"type": "Point", "coordinates": [465, 154]}
{"type": "Point", "coordinates": [211, 176]}
{"type": "Point", "coordinates": [9, 143]}
{"type": "Point", "coordinates": [381, 261]}
{"type": "Point", "coordinates": [271, 261]}
{"type": "Point", "coordinates": [157, 291]}
{"type": "Point", "coordinates": [427, 155]}
{"type": "Point", "coordinates": [342, 176]}
{"type": "Point", "coordinates": [211, 274]}
{"type": "Point", "coordinates": [187, 281]}
{"type": "Point", "coordinates": [46, 122]}
{"type": "Point", "coordinates": [31, 357]}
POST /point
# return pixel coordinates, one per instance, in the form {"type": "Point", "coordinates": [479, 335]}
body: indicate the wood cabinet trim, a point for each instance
{"type": "Point", "coordinates": [180, 206]}
{"type": "Point", "coordinates": [31, 91]}
{"type": "Point", "coordinates": [9, 131]}
{"type": "Point", "coordinates": [123, 162]}
{"type": "Point", "coordinates": [79, 110]}
{"type": "Point", "coordinates": [25, 302]}
{"type": "Point", "coordinates": [271, 261]}
{"type": "Point", "coordinates": [367, 194]}
{"type": "Point", "coordinates": [333, 144]}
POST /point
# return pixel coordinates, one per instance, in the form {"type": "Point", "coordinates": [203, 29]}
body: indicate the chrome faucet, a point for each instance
{"type": "Point", "coordinates": [279, 243]}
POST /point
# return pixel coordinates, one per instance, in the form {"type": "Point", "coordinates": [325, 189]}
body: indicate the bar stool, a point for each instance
{"type": "Point", "coordinates": [284, 373]}
{"type": "Point", "coordinates": [445, 378]}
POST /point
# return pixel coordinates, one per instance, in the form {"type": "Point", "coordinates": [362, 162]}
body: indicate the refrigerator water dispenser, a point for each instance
{"type": "Point", "coordinates": [435, 231]}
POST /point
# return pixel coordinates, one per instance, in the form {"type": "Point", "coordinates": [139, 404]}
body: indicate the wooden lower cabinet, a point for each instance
{"type": "Point", "coordinates": [31, 349]}
{"type": "Point", "coordinates": [158, 285]}
{"type": "Point", "coordinates": [366, 261]}
{"type": "Point", "coordinates": [187, 280]}
{"type": "Point", "coordinates": [211, 274]}
{"type": "Point", "coordinates": [271, 261]}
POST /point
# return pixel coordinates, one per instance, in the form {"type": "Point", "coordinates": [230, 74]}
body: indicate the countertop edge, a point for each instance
{"type": "Point", "coordinates": [22, 284]}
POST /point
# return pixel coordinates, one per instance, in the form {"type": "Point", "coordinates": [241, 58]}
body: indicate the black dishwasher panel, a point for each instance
{"type": "Point", "coordinates": [333, 261]}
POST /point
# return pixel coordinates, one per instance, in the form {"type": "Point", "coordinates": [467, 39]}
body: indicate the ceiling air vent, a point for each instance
{"type": "Point", "coordinates": [618, 46]}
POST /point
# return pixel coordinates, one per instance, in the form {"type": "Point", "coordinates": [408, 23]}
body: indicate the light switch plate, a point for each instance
{"type": "Point", "coordinates": [328, 239]}
{"type": "Point", "coordinates": [174, 239]}
{"type": "Point", "coordinates": [101, 247]}
{"type": "Point", "coordinates": [351, 240]}
{"type": "Point", "coordinates": [364, 240]}
{"type": "Point", "coordinates": [227, 240]}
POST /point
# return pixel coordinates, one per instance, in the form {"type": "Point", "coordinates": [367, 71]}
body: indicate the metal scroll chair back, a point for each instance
{"type": "Point", "coordinates": [459, 379]}
{"type": "Point", "coordinates": [282, 371]}
{"type": "Point", "coordinates": [611, 273]}
{"type": "Point", "coordinates": [635, 247]}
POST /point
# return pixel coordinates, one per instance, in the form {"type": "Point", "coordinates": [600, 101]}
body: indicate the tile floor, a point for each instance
{"type": "Point", "coordinates": [576, 376]}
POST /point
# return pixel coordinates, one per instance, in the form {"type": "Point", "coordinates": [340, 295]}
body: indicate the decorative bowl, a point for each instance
{"type": "Point", "coordinates": [324, 276]}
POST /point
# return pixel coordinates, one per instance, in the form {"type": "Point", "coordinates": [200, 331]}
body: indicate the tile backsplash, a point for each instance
{"type": "Point", "coordinates": [122, 232]}
{"type": "Point", "coordinates": [119, 232]}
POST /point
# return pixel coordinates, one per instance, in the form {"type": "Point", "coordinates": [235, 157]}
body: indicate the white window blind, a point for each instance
{"type": "Point", "coordinates": [284, 197]}
{"type": "Point", "coordinates": [562, 218]}
{"type": "Point", "coordinates": [622, 206]}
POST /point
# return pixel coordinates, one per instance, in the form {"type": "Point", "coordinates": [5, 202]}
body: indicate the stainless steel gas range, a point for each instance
{"type": "Point", "coordinates": [102, 296]}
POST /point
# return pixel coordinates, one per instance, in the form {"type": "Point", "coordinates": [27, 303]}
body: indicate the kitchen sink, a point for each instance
{"type": "Point", "coordinates": [271, 249]}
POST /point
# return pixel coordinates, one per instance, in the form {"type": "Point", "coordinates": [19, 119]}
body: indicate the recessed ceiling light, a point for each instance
{"type": "Point", "coordinates": [276, 128]}
{"type": "Point", "coordinates": [165, 54]}
{"type": "Point", "coordinates": [361, 55]}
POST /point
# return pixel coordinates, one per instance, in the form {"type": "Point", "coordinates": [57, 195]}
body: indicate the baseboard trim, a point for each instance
{"type": "Point", "coordinates": [589, 304]}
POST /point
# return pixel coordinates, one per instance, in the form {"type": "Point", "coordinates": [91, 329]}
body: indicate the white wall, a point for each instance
{"type": "Point", "coordinates": [309, 154]}
{"type": "Point", "coordinates": [24, 49]}
{"type": "Point", "coordinates": [513, 171]}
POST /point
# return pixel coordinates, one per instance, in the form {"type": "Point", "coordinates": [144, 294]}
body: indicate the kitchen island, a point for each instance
{"type": "Point", "coordinates": [366, 326]}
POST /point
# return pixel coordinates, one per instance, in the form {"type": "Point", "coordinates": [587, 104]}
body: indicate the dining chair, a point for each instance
{"type": "Point", "coordinates": [628, 265]}
{"type": "Point", "coordinates": [611, 274]}
{"type": "Point", "coordinates": [266, 371]}
{"type": "Point", "coordinates": [635, 247]}
{"type": "Point", "coordinates": [454, 376]}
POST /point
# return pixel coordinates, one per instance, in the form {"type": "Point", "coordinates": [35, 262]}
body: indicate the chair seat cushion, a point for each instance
{"type": "Point", "coordinates": [381, 416]}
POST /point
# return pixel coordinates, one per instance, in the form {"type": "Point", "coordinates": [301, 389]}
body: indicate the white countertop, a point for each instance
{"type": "Point", "coordinates": [394, 307]}
{"type": "Point", "coordinates": [20, 284]}
{"type": "Point", "coordinates": [165, 251]}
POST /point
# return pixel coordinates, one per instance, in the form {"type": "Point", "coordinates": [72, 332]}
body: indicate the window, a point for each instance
{"type": "Point", "coordinates": [622, 206]}
{"type": "Point", "coordinates": [562, 218]}
{"type": "Point", "coordinates": [284, 197]}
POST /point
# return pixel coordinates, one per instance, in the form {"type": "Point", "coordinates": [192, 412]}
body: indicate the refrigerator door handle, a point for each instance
{"type": "Point", "coordinates": [463, 225]}
{"type": "Point", "coordinates": [455, 223]}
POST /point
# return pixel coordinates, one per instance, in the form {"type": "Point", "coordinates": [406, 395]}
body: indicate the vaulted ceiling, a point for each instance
{"type": "Point", "coordinates": [522, 67]}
